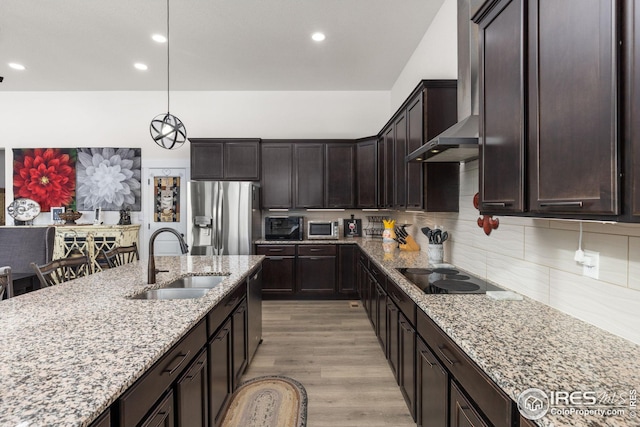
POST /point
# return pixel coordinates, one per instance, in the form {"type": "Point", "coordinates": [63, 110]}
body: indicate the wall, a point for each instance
{"type": "Point", "coordinates": [531, 256]}
{"type": "Point", "coordinates": [2, 168]}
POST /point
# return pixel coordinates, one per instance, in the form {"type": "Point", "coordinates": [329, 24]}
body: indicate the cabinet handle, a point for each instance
{"type": "Point", "coordinates": [276, 250]}
{"type": "Point", "coordinates": [451, 360]}
{"type": "Point", "coordinates": [395, 297]}
{"type": "Point", "coordinates": [231, 302]}
{"type": "Point", "coordinates": [314, 258]}
{"type": "Point", "coordinates": [221, 335]}
{"type": "Point", "coordinates": [374, 272]}
{"type": "Point", "coordinates": [255, 277]}
{"type": "Point", "coordinates": [199, 363]}
{"type": "Point", "coordinates": [182, 358]}
{"type": "Point", "coordinates": [496, 204]}
{"type": "Point", "coordinates": [315, 249]}
{"type": "Point", "coordinates": [405, 326]}
{"type": "Point", "coordinates": [275, 258]}
{"type": "Point", "coordinates": [424, 357]}
{"type": "Point", "coordinates": [561, 204]}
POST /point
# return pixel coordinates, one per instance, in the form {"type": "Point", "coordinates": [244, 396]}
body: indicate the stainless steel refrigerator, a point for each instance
{"type": "Point", "coordinates": [224, 217]}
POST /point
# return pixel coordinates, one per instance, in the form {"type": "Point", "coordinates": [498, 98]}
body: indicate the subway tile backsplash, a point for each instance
{"type": "Point", "coordinates": [535, 258]}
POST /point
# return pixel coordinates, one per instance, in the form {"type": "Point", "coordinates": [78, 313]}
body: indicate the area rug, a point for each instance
{"type": "Point", "coordinates": [271, 401]}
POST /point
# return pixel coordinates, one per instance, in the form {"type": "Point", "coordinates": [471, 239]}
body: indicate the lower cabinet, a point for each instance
{"type": "Point", "coordinates": [163, 415]}
{"type": "Point", "coordinates": [432, 389]}
{"type": "Point", "coordinates": [254, 309]}
{"type": "Point", "coordinates": [393, 349]}
{"type": "Point", "coordinates": [316, 269]}
{"type": "Point", "coordinates": [347, 266]}
{"type": "Point", "coordinates": [103, 420]}
{"type": "Point", "coordinates": [463, 413]}
{"type": "Point", "coordinates": [192, 394]}
{"type": "Point", "coordinates": [380, 314]}
{"type": "Point", "coordinates": [407, 363]}
{"type": "Point", "coordinates": [278, 269]}
{"type": "Point", "coordinates": [219, 372]}
{"type": "Point", "coordinates": [239, 339]}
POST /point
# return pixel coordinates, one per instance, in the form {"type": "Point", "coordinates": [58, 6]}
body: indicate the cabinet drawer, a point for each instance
{"type": "Point", "coordinates": [217, 316]}
{"type": "Point", "coordinates": [316, 250]}
{"type": "Point", "coordinates": [279, 250]}
{"type": "Point", "coordinates": [402, 300]}
{"type": "Point", "coordinates": [136, 401]}
{"type": "Point", "coordinates": [378, 275]}
{"type": "Point", "coordinates": [495, 405]}
{"type": "Point", "coordinates": [364, 259]}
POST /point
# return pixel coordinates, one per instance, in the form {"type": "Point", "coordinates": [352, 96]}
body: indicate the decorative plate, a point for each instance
{"type": "Point", "coordinates": [23, 209]}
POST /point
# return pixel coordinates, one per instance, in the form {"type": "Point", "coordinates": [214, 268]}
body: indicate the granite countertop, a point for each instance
{"type": "Point", "coordinates": [67, 352]}
{"type": "Point", "coordinates": [526, 344]}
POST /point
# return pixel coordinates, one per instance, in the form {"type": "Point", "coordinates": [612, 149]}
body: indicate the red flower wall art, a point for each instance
{"type": "Point", "coordinates": [46, 175]}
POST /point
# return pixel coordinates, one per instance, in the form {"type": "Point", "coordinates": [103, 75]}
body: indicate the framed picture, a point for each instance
{"type": "Point", "coordinates": [55, 214]}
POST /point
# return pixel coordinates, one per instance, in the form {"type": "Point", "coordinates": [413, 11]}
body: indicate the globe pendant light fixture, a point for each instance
{"type": "Point", "coordinates": [166, 129]}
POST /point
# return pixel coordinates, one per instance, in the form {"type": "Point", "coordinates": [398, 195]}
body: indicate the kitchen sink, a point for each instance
{"type": "Point", "coordinates": [171, 293]}
{"type": "Point", "coordinates": [196, 282]}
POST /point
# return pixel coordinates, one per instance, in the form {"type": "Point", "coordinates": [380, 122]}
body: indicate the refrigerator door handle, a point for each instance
{"type": "Point", "coordinates": [219, 215]}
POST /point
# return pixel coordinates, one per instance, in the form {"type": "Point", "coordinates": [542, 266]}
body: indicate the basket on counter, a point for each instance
{"type": "Point", "coordinates": [375, 226]}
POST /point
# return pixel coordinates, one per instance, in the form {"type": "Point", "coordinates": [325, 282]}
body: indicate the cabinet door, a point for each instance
{"type": "Point", "coordinates": [347, 266]}
{"type": "Point", "coordinates": [207, 160]}
{"type": "Point", "coordinates": [239, 340]}
{"type": "Point", "coordinates": [254, 312]}
{"type": "Point", "coordinates": [103, 420]}
{"type": "Point", "coordinates": [316, 275]}
{"type": "Point", "coordinates": [308, 175]}
{"type": "Point", "coordinates": [242, 160]}
{"type": "Point", "coordinates": [389, 148]}
{"type": "Point", "coordinates": [632, 108]}
{"type": "Point", "coordinates": [381, 315]}
{"type": "Point", "coordinates": [367, 174]}
{"type": "Point", "coordinates": [219, 372]}
{"type": "Point", "coordinates": [414, 141]}
{"type": "Point", "coordinates": [340, 175]}
{"type": "Point", "coordinates": [363, 285]}
{"type": "Point", "coordinates": [432, 389]}
{"type": "Point", "coordinates": [400, 165]}
{"type": "Point", "coordinates": [407, 363]}
{"type": "Point", "coordinates": [502, 110]}
{"type": "Point", "coordinates": [463, 413]}
{"type": "Point", "coordinates": [163, 415]}
{"type": "Point", "coordinates": [382, 170]}
{"type": "Point", "coordinates": [392, 337]}
{"type": "Point", "coordinates": [573, 141]}
{"type": "Point", "coordinates": [192, 394]}
{"type": "Point", "coordinates": [278, 275]}
{"type": "Point", "coordinates": [277, 173]}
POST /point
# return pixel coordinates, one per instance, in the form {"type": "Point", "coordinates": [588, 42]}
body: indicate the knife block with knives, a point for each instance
{"type": "Point", "coordinates": [406, 242]}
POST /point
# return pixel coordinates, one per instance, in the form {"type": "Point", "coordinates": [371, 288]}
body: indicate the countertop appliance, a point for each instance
{"type": "Point", "coordinates": [283, 227]}
{"type": "Point", "coordinates": [224, 217]}
{"type": "Point", "coordinates": [323, 230]}
{"type": "Point", "coordinates": [447, 280]}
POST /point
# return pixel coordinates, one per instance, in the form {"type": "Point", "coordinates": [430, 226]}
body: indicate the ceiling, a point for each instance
{"type": "Point", "coordinates": [214, 44]}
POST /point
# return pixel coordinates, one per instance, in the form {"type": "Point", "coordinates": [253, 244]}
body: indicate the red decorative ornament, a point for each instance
{"type": "Point", "coordinates": [486, 222]}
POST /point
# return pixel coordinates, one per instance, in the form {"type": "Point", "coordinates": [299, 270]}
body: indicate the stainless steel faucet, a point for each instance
{"type": "Point", "coordinates": [151, 278]}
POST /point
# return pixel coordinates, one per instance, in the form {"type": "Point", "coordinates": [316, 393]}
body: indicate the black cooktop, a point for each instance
{"type": "Point", "coordinates": [446, 281]}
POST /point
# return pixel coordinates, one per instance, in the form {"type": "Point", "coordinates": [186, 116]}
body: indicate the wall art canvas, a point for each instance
{"type": "Point", "coordinates": [167, 199]}
{"type": "Point", "coordinates": [109, 178]}
{"type": "Point", "coordinates": [46, 175]}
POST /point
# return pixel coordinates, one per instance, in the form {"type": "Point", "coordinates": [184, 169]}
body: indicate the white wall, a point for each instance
{"type": "Point", "coordinates": [2, 169]}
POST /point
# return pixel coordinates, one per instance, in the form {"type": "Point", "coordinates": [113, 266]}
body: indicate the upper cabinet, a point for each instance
{"type": "Point", "coordinates": [367, 173]}
{"type": "Point", "coordinates": [340, 162]}
{"type": "Point", "coordinates": [277, 175]}
{"type": "Point", "coordinates": [632, 109]}
{"type": "Point", "coordinates": [550, 117]}
{"type": "Point", "coordinates": [225, 159]}
{"type": "Point", "coordinates": [308, 161]}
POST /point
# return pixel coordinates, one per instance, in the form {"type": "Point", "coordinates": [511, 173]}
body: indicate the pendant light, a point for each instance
{"type": "Point", "coordinates": [166, 129]}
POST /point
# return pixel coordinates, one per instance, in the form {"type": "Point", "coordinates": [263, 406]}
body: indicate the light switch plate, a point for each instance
{"type": "Point", "coordinates": [591, 264]}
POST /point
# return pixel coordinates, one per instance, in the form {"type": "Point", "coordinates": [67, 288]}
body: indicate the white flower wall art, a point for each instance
{"type": "Point", "coordinates": [108, 178]}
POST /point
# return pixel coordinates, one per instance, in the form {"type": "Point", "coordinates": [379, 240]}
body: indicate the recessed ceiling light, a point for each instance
{"type": "Point", "coordinates": [17, 66]}
{"type": "Point", "coordinates": [141, 66]}
{"type": "Point", "coordinates": [159, 38]}
{"type": "Point", "coordinates": [318, 37]}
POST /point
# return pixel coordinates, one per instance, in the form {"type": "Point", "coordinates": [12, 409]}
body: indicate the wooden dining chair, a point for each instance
{"type": "Point", "coordinates": [62, 270]}
{"type": "Point", "coordinates": [120, 256]}
{"type": "Point", "coordinates": [6, 284]}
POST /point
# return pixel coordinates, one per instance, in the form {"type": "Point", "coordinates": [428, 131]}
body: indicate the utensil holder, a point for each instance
{"type": "Point", "coordinates": [435, 251]}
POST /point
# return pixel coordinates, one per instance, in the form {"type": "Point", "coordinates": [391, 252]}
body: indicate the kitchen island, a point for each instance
{"type": "Point", "coordinates": [70, 351]}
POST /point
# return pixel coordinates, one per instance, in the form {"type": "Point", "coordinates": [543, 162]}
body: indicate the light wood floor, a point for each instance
{"type": "Point", "coordinates": [330, 347]}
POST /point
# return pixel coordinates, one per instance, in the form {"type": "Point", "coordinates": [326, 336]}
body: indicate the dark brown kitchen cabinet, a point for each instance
{"type": "Point", "coordinates": [347, 266]}
{"type": "Point", "coordinates": [192, 396]}
{"type": "Point", "coordinates": [367, 173]}
{"type": "Point", "coordinates": [526, 423]}
{"type": "Point", "coordinates": [308, 169]}
{"type": "Point", "coordinates": [225, 159]}
{"type": "Point", "coordinates": [432, 389]}
{"type": "Point", "coordinates": [254, 312]}
{"type": "Point", "coordinates": [502, 109]}
{"type": "Point", "coordinates": [277, 175]}
{"type": "Point", "coordinates": [239, 341]}
{"type": "Point", "coordinates": [393, 351]}
{"type": "Point", "coordinates": [399, 164]}
{"type": "Point", "coordinates": [278, 269]}
{"type": "Point", "coordinates": [220, 383]}
{"type": "Point", "coordinates": [631, 104]}
{"type": "Point", "coordinates": [463, 414]}
{"type": "Point", "coordinates": [573, 140]}
{"type": "Point", "coordinates": [364, 282]}
{"type": "Point", "coordinates": [407, 362]}
{"type": "Point", "coordinates": [163, 415]}
{"type": "Point", "coordinates": [316, 269]}
{"type": "Point", "coordinates": [340, 162]}
{"type": "Point", "coordinates": [380, 313]}
{"type": "Point", "coordinates": [385, 168]}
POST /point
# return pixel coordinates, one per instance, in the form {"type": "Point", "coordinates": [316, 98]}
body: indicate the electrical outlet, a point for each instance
{"type": "Point", "coordinates": [591, 264]}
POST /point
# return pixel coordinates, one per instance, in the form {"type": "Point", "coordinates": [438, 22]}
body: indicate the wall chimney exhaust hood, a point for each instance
{"type": "Point", "coordinates": [459, 143]}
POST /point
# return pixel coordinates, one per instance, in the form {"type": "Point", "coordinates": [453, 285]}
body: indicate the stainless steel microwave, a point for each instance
{"type": "Point", "coordinates": [323, 230]}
